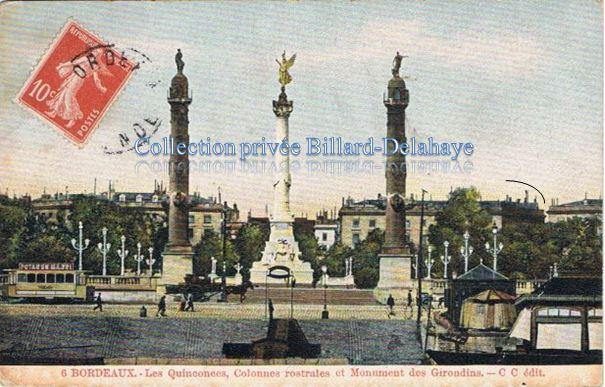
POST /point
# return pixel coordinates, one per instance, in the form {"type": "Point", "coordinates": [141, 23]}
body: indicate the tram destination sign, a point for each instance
{"type": "Point", "coordinates": [46, 266]}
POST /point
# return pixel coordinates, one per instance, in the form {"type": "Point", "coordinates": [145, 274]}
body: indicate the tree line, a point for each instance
{"type": "Point", "coordinates": [529, 249]}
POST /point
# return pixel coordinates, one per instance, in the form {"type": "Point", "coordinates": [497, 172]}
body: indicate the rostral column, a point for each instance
{"type": "Point", "coordinates": [178, 255]}
{"type": "Point", "coordinates": [395, 258]}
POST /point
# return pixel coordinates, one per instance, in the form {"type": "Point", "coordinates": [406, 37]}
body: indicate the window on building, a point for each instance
{"type": "Point", "coordinates": [50, 278]}
{"type": "Point", "coordinates": [191, 219]}
{"type": "Point", "coordinates": [408, 224]}
{"type": "Point", "coordinates": [69, 278]}
{"type": "Point", "coordinates": [31, 277]}
{"type": "Point", "coordinates": [324, 236]}
{"type": "Point", "coordinates": [139, 198]}
{"type": "Point", "coordinates": [60, 278]}
{"type": "Point", "coordinates": [356, 239]}
{"type": "Point", "coordinates": [207, 219]}
{"type": "Point", "coordinates": [40, 278]}
{"type": "Point", "coordinates": [22, 277]}
{"type": "Point", "coordinates": [559, 312]}
{"type": "Point", "coordinates": [122, 198]}
{"type": "Point", "coordinates": [154, 198]}
{"type": "Point", "coordinates": [372, 223]}
{"type": "Point", "coordinates": [355, 222]}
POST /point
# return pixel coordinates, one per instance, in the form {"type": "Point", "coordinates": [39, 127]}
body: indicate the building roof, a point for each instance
{"type": "Point", "coordinates": [481, 273]}
{"type": "Point", "coordinates": [572, 289]}
{"type": "Point", "coordinates": [580, 206]}
{"type": "Point", "coordinates": [431, 206]}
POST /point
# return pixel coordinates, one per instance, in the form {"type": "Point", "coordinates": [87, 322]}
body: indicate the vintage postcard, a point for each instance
{"type": "Point", "coordinates": [301, 193]}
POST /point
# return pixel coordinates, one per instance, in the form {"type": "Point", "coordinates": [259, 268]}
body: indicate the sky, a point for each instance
{"type": "Point", "coordinates": [522, 81]}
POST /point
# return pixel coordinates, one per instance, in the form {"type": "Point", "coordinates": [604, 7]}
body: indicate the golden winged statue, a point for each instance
{"type": "Point", "coordinates": [284, 65]}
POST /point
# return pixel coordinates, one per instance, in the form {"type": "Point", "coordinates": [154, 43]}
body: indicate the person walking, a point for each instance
{"type": "Point", "coordinates": [161, 307]}
{"type": "Point", "coordinates": [410, 299]}
{"type": "Point", "coordinates": [189, 306]}
{"type": "Point", "coordinates": [391, 304]}
{"type": "Point", "coordinates": [271, 310]}
{"type": "Point", "coordinates": [99, 302]}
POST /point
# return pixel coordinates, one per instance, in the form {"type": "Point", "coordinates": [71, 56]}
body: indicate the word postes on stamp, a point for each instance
{"type": "Point", "coordinates": [76, 82]}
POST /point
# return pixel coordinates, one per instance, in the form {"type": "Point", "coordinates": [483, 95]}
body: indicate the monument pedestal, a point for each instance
{"type": "Point", "coordinates": [395, 271]}
{"type": "Point", "coordinates": [176, 266]}
{"type": "Point", "coordinates": [281, 250]}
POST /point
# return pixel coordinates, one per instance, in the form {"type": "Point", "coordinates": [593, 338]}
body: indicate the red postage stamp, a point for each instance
{"type": "Point", "coordinates": [75, 82]}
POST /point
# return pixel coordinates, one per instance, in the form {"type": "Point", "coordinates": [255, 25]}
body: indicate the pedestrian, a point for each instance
{"type": "Point", "coordinates": [271, 310]}
{"type": "Point", "coordinates": [391, 304]}
{"type": "Point", "coordinates": [183, 303]}
{"type": "Point", "coordinates": [410, 299]}
{"type": "Point", "coordinates": [189, 306]}
{"type": "Point", "coordinates": [161, 307]}
{"type": "Point", "coordinates": [441, 301]}
{"type": "Point", "coordinates": [99, 303]}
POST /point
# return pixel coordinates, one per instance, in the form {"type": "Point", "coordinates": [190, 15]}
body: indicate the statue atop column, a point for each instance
{"type": "Point", "coordinates": [397, 64]}
{"type": "Point", "coordinates": [178, 58]}
{"type": "Point", "coordinates": [284, 65]}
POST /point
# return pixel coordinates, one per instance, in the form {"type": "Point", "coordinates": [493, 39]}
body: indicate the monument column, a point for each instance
{"type": "Point", "coordinates": [282, 249]}
{"type": "Point", "coordinates": [281, 194]}
{"type": "Point", "coordinates": [177, 255]}
{"type": "Point", "coordinates": [395, 259]}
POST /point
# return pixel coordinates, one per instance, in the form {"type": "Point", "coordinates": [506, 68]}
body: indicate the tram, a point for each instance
{"type": "Point", "coordinates": [46, 281]}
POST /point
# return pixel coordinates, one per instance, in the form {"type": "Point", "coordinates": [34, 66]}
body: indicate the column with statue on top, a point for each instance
{"type": "Point", "coordinates": [282, 249]}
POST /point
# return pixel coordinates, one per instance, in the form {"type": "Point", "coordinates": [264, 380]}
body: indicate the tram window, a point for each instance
{"type": "Point", "coordinates": [50, 278]}
{"type": "Point", "coordinates": [60, 278]}
{"type": "Point", "coordinates": [22, 277]}
{"type": "Point", "coordinates": [69, 278]}
{"type": "Point", "coordinates": [31, 277]}
{"type": "Point", "coordinates": [40, 278]}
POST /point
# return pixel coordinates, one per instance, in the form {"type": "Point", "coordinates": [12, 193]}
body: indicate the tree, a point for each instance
{"type": "Point", "coordinates": [309, 249]}
{"type": "Point", "coordinates": [531, 249]}
{"type": "Point", "coordinates": [461, 213]}
{"type": "Point", "coordinates": [47, 248]}
{"type": "Point", "coordinates": [12, 226]}
{"type": "Point", "coordinates": [366, 264]}
{"type": "Point", "coordinates": [133, 223]}
{"type": "Point", "coordinates": [249, 245]}
{"type": "Point", "coordinates": [211, 245]}
{"type": "Point", "coordinates": [335, 259]}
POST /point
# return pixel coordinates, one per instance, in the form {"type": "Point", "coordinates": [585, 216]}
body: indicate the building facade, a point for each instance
{"type": "Point", "coordinates": [579, 209]}
{"type": "Point", "coordinates": [358, 218]}
{"type": "Point", "coordinates": [205, 214]}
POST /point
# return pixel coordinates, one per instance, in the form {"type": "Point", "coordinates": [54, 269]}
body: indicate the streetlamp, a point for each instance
{"type": "Point", "coordinates": [150, 261]}
{"type": "Point", "coordinates": [466, 251]}
{"type": "Point", "coordinates": [78, 246]}
{"type": "Point", "coordinates": [139, 258]}
{"type": "Point", "coordinates": [496, 248]}
{"type": "Point", "coordinates": [445, 259]}
{"type": "Point", "coordinates": [419, 265]}
{"type": "Point", "coordinates": [104, 248]}
{"type": "Point", "coordinates": [122, 253]}
{"type": "Point", "coordinates": [224, 276]}
{"type": "Point", "coordinates": [324, 313]}
{"type": "Point", "coordinates": [429, 262]}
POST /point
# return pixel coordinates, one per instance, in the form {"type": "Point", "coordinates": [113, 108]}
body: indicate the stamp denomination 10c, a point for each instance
{"type": "Point", "coordinates": [75, 82]}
